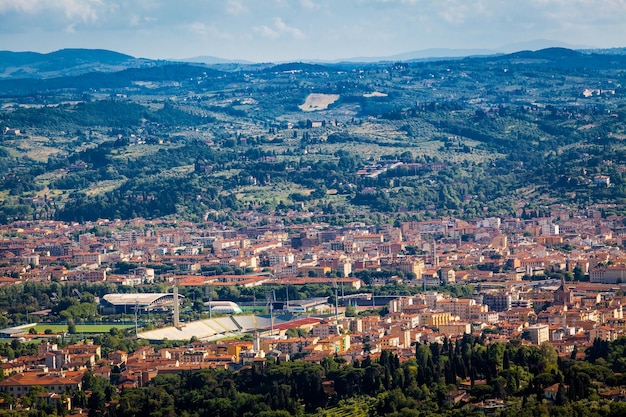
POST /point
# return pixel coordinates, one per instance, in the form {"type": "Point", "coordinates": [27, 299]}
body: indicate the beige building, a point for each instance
{"type": "Point", "coordinates": [326, 330]}
{"type": "Point", "coordinates": [460, 307]}
{"type": "Point", "coordinates": [434, 319]}
{"type": "Point", "coordinates": [604, 333]}
{"type": "Point", "coordinates": [539, 334]}
{"type": "Point", "coordinates": [58, 383]}
{"type": "Point", "coordinates": [456, 328]}
{"type": "Point", "coordinates": [389, 342]}
{"type": "Point", "coordinates": [608, 275]}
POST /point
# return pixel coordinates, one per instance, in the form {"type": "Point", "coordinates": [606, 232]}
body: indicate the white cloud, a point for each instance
{"type": "Point", "coordinates": [279, 29]}
{"type": "Point", "coordinates": [283, 28]}
{"type": "Point", "coordinates": [319, 27]}
{"type": "Point", "coordinates": [134, 20]}
{"type": "Point", "coordinates": [266, 32]}
{"type": "Point", "coordinates": [236, 7]}
{"type": "Point", "coordinates": [197, 28]}
{"type": "Point", "coordinates": [309, 5]}
{"type": "Point", "coordinates": [24, 6]}
{"type": "Point", "coordinates": [584, 11]}
{"type": "Point", "coordinates": [138, 22]}
{"type": "Point", "coordinates": [84, 11]}
{"type": "Point", "coordinates": [75, 11]}
{"type": "Point", "coordinates": [400, 2]}
{"type": "Point", "coordinates": [207, 30]}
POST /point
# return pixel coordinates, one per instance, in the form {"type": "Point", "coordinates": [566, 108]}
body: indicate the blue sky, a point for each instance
{"type": "Point", "coordinates": [281, 30]}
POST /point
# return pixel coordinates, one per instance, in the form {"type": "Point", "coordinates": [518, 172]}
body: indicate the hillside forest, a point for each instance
{"type": "Point", "coordinates": [510, 134]}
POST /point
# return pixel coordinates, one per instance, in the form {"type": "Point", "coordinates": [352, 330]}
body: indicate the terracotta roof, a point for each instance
{"type": "Point", "coordinates": [37, 379]}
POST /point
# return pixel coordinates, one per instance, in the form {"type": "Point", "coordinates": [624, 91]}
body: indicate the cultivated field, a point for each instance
{"type": "Point", "coordinates": [316, 101]}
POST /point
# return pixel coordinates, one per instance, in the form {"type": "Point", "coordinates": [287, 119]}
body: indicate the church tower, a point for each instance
{"type": "Point", "coordinates": [563, 296]}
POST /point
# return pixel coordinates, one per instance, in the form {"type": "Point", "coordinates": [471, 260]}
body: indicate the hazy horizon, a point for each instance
{"type": "Point", "coordinates": [282, 30]}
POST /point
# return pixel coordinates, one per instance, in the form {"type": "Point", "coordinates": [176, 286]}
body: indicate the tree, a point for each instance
{"type": "Point", "coordinates": [549, 354]}
{"type": "Point", "coordinates": [482, 391]}
{"type": "Point", "coordinates": [350, 311]}
{"type": "Point", "coordinates": [71, 326]}
{"type": "Point", "coordinates": [79, 399]}
{"type": "Point", "coordinates": [499, 387]}
{"type": "Point", "coordinates": [33, 399]}
{"type": "Point", "coordinates": [561, 395]}
{"type": "Point", "coordinates": [579, 274]}
{"type": "Point", "coordinates": [574, 352]}
{"type": "Point", "coordinates": [96, 403]}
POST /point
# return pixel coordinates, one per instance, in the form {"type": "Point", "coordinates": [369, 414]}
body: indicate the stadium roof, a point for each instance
{"type": "Point", "coordinates": [215, 329]}
{"type": "Point", "coordinates": [140, 300]}
{"type": "Point", "coordinates": [17, 330]}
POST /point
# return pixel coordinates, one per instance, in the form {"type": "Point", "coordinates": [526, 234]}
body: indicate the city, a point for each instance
{"type": "Point", "coordinates": [312, 208]}
{"type": "Point", "coordinates": [557, 279]}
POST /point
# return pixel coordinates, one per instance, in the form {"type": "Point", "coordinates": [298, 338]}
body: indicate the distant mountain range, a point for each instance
{"type": "Point", "coordinates": [75, 62]}
{"type": "Point", "coordinates": [211, 60]}
{"type": "Point", "coordinates": [66, 62]}
{"type": "Point", "coordinates": [438, 53]}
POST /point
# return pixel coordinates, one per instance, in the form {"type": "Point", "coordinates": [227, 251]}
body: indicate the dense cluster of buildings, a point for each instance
{"type": "Point", "coordinates": [505, 259]}
{"type": "Point", "coordinates": [431, 252]}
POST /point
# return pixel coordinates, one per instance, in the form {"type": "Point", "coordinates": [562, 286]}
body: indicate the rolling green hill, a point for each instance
{"type": "Point", "coordinates": [499, 134]}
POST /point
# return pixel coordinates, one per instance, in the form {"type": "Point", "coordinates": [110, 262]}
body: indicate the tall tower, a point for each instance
{"type": "Point", "coordinates": [176, 307]}
{"type": "Point", "coordinates": [256, 343]}
{"type": "Point", "coordinates": [336, 301]}
{"type": "Point", "coordinates": [563, 296]}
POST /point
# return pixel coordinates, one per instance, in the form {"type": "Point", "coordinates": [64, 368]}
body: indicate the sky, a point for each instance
{"type": "Point", "coordinates": [290, 30]}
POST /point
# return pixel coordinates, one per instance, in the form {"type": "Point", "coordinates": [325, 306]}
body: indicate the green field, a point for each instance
{"type": "Point", "coordinates": [257, 309]}
{"type": "Point", "coordinates": [81, 328]}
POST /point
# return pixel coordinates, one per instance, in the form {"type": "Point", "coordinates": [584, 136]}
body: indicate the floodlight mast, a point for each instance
{"type": "Point", "coordinates": [270, 297]}
{"type": "Point", "coordinates": [336, 301]}
{"type": "Point", "coordinates": [176, 306]}
{"type": "Point", "coordinates": [211, 304]}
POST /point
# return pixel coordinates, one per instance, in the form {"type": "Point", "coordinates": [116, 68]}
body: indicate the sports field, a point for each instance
{"type": "Point", "coordinates": [81, 328]}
